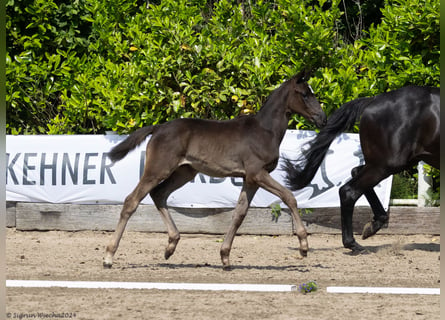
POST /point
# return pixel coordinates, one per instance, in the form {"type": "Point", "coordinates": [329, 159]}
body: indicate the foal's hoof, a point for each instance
{"type": "Point", "coordinates": [108, 261]}
{"type": "Point", "coordinates": [167, 254]}
{"type": "Point", "coordinates": [225, 261]}
{"type": "Point", "coordinates": [227, 268]}
{"type": "Point", "coordinates": [171, 247]}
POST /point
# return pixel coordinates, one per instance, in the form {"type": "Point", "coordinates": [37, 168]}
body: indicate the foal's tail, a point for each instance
{"type": "Point", "coordinates": [300, 172]}
{"type": "Point", "coordinates": [132, 141]}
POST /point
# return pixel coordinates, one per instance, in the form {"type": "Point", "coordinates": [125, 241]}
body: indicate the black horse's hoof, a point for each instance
{"type": "Point", "coordinates": [373, 226]}
{"type": "Point", "coordinates": [368, 230]}
{"type": "Point", "coordinates": [355, 248]}
{"type": "Point", "coordinates": [359, 252]}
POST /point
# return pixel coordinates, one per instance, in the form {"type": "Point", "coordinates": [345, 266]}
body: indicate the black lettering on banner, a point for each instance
{"type": "Point", "coordinates": [106, 168]}
{"type": "Point", "coordinates": [201, 178]}
{"type": "Point", "coordinates": [317, 190]}
{"type": "Point", "coordinates": [359, 154]}
{"type": "Point", "coordinates": [87, 166]}
{"type": "Point", "coordinates": [52, 166]}
{"type": "Point", "coordinates": [26, 167]}
{"type": "Point", "coordinates": [10, 168]}
{"type": "Point", "coordinates": [216, 180]}
{"type": "Point", "coordinates": [330, 184]}
{"type": "Point", "coordinates": [74, 172]}
{"type": "Point", "coordinates": [237, 183]}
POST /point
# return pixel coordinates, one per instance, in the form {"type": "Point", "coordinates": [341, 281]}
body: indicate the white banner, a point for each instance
{"type": "Point", "coordinates": [76, 169]}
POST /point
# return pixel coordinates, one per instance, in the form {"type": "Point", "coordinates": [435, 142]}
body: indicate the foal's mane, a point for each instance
{"type": "Point", "coordinates": [285, 83]}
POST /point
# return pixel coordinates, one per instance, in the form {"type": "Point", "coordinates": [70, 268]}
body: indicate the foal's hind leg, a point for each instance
{"type": "Point", "coordinates": [247, 193]}
{"type": "Point", "coordinates": [130, 205]}
{"type": "Point", "coordinates": [160, 194]}
{"type": "Point", "coordinates": [157, 168]}
{"type": "Point", "coordinates": [380, 215]}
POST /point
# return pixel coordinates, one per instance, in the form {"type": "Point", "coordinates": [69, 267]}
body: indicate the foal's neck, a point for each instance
{"type": "Point", "coordinates": [273, 115]}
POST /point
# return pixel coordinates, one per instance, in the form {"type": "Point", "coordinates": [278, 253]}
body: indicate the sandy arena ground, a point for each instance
{"type": "Point", "coordinates": [398, 261]}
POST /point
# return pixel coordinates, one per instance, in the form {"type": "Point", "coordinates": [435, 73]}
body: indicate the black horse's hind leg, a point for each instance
{"type": "Point", "coordinates": [380, 218]}
{"type": "Point", "coordinates": [362, 182]}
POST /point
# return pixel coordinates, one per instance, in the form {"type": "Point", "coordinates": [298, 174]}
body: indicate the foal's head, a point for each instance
{"type": "Point", "coordinates": [301, 100]}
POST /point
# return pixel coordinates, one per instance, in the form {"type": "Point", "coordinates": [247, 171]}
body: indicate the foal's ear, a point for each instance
{"type": "Point", "coordinates": [300, 76]}
{"type": "Point", "coordinates": [303, 76]}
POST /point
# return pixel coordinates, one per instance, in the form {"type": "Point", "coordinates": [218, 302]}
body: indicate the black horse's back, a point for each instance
{"type": "Point", "coordinates": [411, 114]}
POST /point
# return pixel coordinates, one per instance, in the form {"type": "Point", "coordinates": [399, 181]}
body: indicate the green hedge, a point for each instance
{"type": "Point", "coordinates": [89, 66]}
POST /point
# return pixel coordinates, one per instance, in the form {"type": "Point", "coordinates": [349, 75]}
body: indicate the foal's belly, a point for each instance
{"type": "Point", "coordinates": [214, 168]}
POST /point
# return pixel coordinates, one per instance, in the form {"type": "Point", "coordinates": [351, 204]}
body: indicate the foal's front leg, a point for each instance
{"type": "Point", "coordinates": [266, 182]}
{"type": "Point", "coordinates": [240, 211]}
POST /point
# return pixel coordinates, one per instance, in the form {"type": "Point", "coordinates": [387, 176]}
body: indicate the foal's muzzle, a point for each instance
{"type": "Point", "coordinates": [320, 120]}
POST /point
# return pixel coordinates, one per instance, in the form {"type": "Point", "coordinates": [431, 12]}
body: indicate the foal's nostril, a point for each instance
{"type": "Point", "coordinates": [320, 121]}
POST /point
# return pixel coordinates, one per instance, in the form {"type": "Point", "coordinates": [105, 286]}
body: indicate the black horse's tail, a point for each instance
{"type": "Point", "coordinates": [300, 172]}
{"type": "Point", "coordinates": [133, 140]}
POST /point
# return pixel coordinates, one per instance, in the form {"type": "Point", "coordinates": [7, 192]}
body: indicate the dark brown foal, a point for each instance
{"type": "Point", "coordinates": [247, 146]}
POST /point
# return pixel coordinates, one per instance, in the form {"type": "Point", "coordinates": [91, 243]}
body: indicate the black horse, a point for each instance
{"type": "Point", "coordinates": [397, 130]}
{"type": "Point", "coordinates": [246, 146]}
